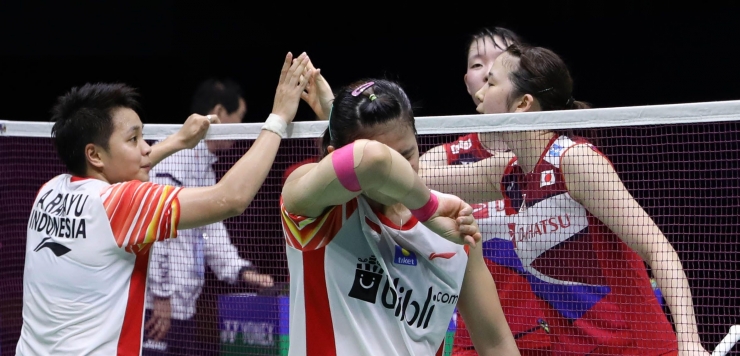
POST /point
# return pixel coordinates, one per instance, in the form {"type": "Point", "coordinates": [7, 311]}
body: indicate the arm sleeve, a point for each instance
{"type": "Point", "coordinates": [221, 255]}
{"type": "Point", "coordinates": [141, 213]}
{"type": "Point", "coordinates": [306, 234]}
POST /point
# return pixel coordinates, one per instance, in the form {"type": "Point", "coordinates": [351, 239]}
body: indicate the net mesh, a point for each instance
{"type": "Point", "coordinates": [680, 163]}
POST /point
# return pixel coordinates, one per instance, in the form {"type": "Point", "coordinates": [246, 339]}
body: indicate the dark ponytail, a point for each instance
{"type": "Point", "coordinates": [572, 104]}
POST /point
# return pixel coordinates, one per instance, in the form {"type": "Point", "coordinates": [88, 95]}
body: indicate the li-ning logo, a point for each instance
{"type": "Point", "coordinates": [57, 248]}
{"type": "Point", "coordinates": [445, 255]}
{"type": "Point", "coordinates": [367, 280]}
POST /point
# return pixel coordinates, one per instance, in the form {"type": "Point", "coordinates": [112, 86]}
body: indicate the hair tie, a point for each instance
{"type": "Point", "coordinates": [373, 97]}
{"type": "Point", "coordinates": [362, 88]}
{"type": "Point", "coordinates": [569, 102]}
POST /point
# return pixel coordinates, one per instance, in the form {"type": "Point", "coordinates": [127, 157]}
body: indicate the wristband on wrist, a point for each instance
{"type": "Point", "coordinates": [427, 211]}
{"type": "Point", "coordinates": [276, 124]}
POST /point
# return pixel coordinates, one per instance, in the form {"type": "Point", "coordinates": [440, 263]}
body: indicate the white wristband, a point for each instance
{"type": "Point", "coordinates": [276, 124]}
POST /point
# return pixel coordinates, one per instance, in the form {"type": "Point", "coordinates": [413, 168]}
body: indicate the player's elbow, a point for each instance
{"type": "Point", "coordinates": [230, 203]}
{"type": "Point", "coordinates": [237, 204]}
{"type": "Point", "coordinates": [663, 257]}
{"type": "Point", "coordinates": [375, 164]}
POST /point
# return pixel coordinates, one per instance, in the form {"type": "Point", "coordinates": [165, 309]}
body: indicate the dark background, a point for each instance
{"type": "Point", "coordinates": [620, 54]}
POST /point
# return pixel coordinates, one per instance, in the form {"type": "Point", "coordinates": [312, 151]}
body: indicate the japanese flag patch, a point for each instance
{"type": "Point", "coordinates": [547, 178]}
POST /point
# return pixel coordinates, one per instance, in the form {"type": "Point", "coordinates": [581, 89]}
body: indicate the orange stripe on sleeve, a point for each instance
{"type": "Point", "coordinates": [306, 234]}
{"type": "Point", "coordinates": [141, 213]}
{"type": "Point", "coordinates": [144, 214]}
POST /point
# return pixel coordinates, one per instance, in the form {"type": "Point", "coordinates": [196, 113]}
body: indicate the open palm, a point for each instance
{"type": "Point", "coordinates": [318, 94]}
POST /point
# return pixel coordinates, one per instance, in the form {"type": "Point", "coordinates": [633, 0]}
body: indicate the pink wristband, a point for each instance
{"type": "Point", "coordinates": [425, 212]}
{"type": "Point", "coordinates": [343, 160]}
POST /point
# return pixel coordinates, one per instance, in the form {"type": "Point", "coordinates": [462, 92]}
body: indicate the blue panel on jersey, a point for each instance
{"type": "Point", "coordinates": [555, 150]}
{"type": "Point", "coordinates": [572, 301]}
{"type": "Point", "coordinates": [404, 257]}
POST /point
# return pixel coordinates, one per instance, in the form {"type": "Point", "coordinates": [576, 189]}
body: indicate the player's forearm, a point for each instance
{"type": "Point", "coordinates": [473, 183]}
{"type": "Point", "coordinates": [505, 347]}
{"type": "Point", "coordinates": [382, 170]}
{"type": "Point", "coordinates": [232, 195]}
{"type": "Point", "coordinates": [240, 184]}
{"type": "Point", "coordinates": [363, 166]}
{"type": "Point", "coordinates": [674, 286]}
{"type": "Point", "coordinates": [434, 157]}
{"type": "Point", "coordinates": [165, 148]}
{"type": "Point", "coordinates": [481, 309]}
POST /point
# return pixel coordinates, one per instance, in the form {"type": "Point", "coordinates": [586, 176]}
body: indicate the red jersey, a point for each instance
{"type": "Point", "coordinates": [595, 291]}
{"type": "Point", "coordinates": [467, 149]}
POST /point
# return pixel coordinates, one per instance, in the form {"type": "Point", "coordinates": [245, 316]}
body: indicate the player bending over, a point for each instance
{"type": "Point", "coordinates": [376, 259]}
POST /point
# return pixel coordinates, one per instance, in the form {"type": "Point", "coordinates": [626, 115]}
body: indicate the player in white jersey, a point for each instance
{"type": "Point", "coordinates": [375, 257]}
{"type": "Point", "coordinates": [90, 231]}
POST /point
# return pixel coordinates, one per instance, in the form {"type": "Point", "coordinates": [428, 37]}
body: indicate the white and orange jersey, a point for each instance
{"type": "Point", "coordinates": [87, 252]}
{"type": "Point", "coordinates": [362, 285]}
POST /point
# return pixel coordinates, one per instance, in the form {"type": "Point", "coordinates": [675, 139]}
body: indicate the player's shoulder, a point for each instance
{"type": "Point", "coordinates": [74, 183]}
{"type": "Point", "coordinates": [293, 167]}
{"type": "Point", "coordinates": [120, 188]}
{"type": "Point", "coordinates": [567, 146]}
{"type": "Point", "coordinates": [465, 140]}
{"type": "Point", "coordinates": [297, 172]}
{"type": "Point", "coordinates": [137, 193]}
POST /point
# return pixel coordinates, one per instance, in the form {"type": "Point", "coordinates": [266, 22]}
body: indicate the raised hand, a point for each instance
{"type": "Point", "coordinates": [194, 129]}
{"type": "Point", "coordinates": [454, 220]}
{"type": "Point", "coordinates": [318, 94]}
{"type": "Point", "coordinates": [290, 86]}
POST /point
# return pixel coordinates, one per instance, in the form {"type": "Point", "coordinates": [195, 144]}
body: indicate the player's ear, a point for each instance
{"type": "Point", "coordinates": [95, 155]}
{"type": "Point", "coordinates": [219, 110]}
{"type": "Point", "coordinates": [524, 104]}
{"type": "Point", "coordinates": [330, 149]}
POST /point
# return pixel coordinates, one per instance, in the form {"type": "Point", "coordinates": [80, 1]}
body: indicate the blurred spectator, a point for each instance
{"type": "Point", "coordinates": [177, 267]}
